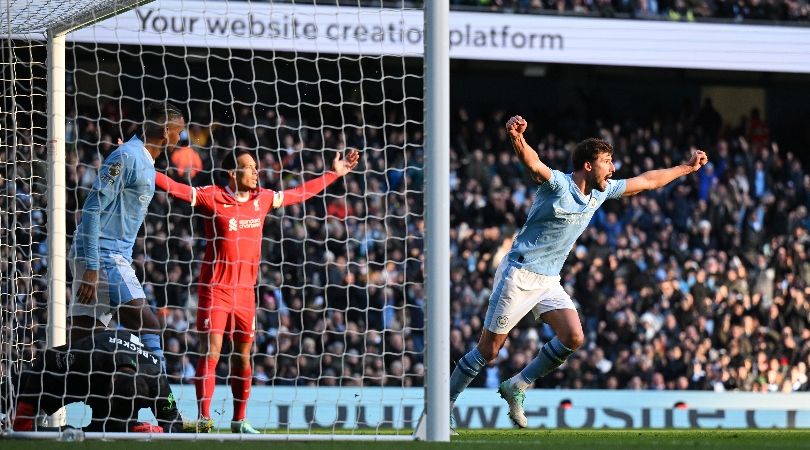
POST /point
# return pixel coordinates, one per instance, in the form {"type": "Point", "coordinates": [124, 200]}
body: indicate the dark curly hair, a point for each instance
{"type": "Point", "coordinates": [589, 150]}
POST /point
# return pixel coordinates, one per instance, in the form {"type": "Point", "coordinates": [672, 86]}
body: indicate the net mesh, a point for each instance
{"type": "Point", "coordinates": [339, 296]}
{"type": "Point", "coordinates": [37, 16]}
{"type": "Point", "coordinates": [23, 281]}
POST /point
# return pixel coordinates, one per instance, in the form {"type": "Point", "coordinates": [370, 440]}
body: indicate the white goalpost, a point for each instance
{"type": "Point", "coordinates": [352, 337]}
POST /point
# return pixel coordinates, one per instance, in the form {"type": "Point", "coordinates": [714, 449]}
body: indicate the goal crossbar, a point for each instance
{"type": "Point", "coordinates": [17, 18]}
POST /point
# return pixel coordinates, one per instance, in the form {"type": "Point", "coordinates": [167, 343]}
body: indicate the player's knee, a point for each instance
{"type": "Point", "coordinates": [573, 339]}
{"type": "Point", "coordinates": [241, 361]}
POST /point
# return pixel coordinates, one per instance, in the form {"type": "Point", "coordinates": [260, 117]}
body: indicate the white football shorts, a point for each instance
{"type": "Point", "coordinates": [518, 291]}
{"type": "Point", "coordinates": [117, 284]}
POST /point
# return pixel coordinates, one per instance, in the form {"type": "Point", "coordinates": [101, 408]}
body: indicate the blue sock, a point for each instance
{"type": "Point", "coordinates": [551, 356]}
{"type": "Point", "coordinates": [466, 370]}
{"type": "Point", "coordinates": [152, 343]}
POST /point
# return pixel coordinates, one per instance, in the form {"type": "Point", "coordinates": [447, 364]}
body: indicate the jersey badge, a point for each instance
{"type": "Point", "coordinates": [592, 203]}
{"type": "Point", "coordinates": [115, 169]}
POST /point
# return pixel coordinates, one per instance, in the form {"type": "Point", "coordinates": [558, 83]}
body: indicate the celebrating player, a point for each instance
{"type": "Point", "coordinates": [111, 372]}
{"type": "Point", "coordinates": [528, 278]}
{"type": "Point", "coordinates": [227, 299]}
{"type": "Point", "coordinates": [101, 255]}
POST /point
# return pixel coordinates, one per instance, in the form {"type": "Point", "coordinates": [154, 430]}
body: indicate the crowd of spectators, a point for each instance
{"type": "Point", "coordinates": [703, 284]}
{"type": "Point", "coordinates": [760, 11]}
{"type": "Point", "coordinates": [751, 11]}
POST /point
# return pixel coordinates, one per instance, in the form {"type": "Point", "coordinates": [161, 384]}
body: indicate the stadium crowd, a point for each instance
{"type": "Point", "coordinates": [752, 11]}
{"type": "Point", "coordinates": [703, 285]}
{"type": "Point", "coordinates": [680, 10]}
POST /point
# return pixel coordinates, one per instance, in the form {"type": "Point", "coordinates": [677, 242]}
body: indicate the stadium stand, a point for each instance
{"type": "Point", "coordinates": [703, 285]}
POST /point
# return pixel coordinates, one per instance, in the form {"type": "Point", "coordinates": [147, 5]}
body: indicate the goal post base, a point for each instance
{"type": "Point", "coordinates": [420, 432]}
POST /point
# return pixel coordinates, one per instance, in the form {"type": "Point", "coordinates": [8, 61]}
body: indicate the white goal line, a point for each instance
{"type": "Point", "coordinates": [78, 435]}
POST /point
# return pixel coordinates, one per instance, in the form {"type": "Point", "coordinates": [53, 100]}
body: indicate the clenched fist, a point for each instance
{"type": "Point", "coordinates": [515, 126]}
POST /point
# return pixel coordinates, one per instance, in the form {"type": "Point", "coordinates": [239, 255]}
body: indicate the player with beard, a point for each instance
{"type": "Point", "coordinates": [528, 278]}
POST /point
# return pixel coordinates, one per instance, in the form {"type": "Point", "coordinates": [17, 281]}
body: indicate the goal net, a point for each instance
{"type": "Point", "coordinates": [340, 338]}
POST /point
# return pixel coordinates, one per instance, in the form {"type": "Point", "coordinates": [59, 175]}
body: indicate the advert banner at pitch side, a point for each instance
{"type": "Point", "coordinates": [481, 36]}
{"type": "Point", "coordinates": [369, 407]}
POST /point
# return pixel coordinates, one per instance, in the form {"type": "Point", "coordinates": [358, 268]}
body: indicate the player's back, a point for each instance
{"type": "Point", "coordinates": [84, 368]}
{"type": "Point", "coordinates": [120, 195]}
{"type": "Point", "coordinates": [558, 216]}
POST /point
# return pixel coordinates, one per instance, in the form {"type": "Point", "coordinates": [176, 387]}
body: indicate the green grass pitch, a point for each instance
{"type": "Point", "coordinates": [487, 439]}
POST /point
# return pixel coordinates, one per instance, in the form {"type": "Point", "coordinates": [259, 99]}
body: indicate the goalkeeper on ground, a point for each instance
{"type": "Point", "coordinates": [112, 372]}
{"type": "Point", "coordinates": [228, 274]}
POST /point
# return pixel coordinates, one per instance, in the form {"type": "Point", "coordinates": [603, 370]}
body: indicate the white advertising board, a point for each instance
{"type": "Point", "coordinates": [370, 407]}
{"type": "Point", "coordinates": [477, 36]}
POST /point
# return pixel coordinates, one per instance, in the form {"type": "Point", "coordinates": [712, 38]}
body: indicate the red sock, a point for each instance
{"type": "Point", "coordinates": [240, 387]}
{"type": "Point", "coordinates": [23, 417]}
{"type": "Point", "coordinates": [204, 383]}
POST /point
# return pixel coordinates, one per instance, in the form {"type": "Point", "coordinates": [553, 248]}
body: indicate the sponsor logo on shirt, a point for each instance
{"type": "Point", "coordinates": [250, 223]}
{"type": "Point", "coordinates": [243, 224]}
{"type": "Point", "coordinates": [144, 198]}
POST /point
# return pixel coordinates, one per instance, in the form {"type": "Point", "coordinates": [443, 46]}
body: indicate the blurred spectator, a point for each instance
{"type": "Point", "coordinates": [755, 11]}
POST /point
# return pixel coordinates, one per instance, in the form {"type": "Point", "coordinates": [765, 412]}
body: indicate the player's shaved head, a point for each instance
{"type": "Point", "coordinates": [589, 150]}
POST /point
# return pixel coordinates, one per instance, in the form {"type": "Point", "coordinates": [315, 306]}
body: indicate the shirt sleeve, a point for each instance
{"type": "Point", "coordinates": [113, 176]}
{"type": "Point", "coordinates": [307, 190]}
{"type": "Point", "coordinates": [616, 188]}
{"type": "Point", "coordinates": [555, 184]}
{"type": "Point", "coordinates": [205, 197]}
{"type": "Point", "coordinates": [177, 190]}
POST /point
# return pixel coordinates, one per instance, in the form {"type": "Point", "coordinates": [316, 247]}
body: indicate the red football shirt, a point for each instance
{"type": "Point", "coordinates": [234, 235]}
{"type": "Point", "coordinates": [234, 232]}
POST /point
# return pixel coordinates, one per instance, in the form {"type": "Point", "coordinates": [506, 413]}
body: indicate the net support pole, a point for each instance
{"type": "Point", "coordinates": [437, 214]}
{"type": "Point", "coordinates": [57, 199]}
{"type": "Point", "coordinates": [56, 330]}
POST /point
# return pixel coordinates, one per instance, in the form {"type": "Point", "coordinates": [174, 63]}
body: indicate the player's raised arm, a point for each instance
{"type": "Point", "coordinates": [655, 179]}
{"type": "Point", "coordinates": [540, 172]}
{"type": "Point", "coordinates": [177, 190]}
{"type": "Point", "coordinates": [340, 167]}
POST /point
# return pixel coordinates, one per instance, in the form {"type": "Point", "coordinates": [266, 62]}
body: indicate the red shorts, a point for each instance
{"type": "Point", "coordinates": [228, 312]}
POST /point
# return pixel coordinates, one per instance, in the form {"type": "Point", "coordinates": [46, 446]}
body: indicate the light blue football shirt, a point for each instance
{"type": "Point", "coordinates": [558, 216]}
{"type": "Point", "coordinates": [116, 205]}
